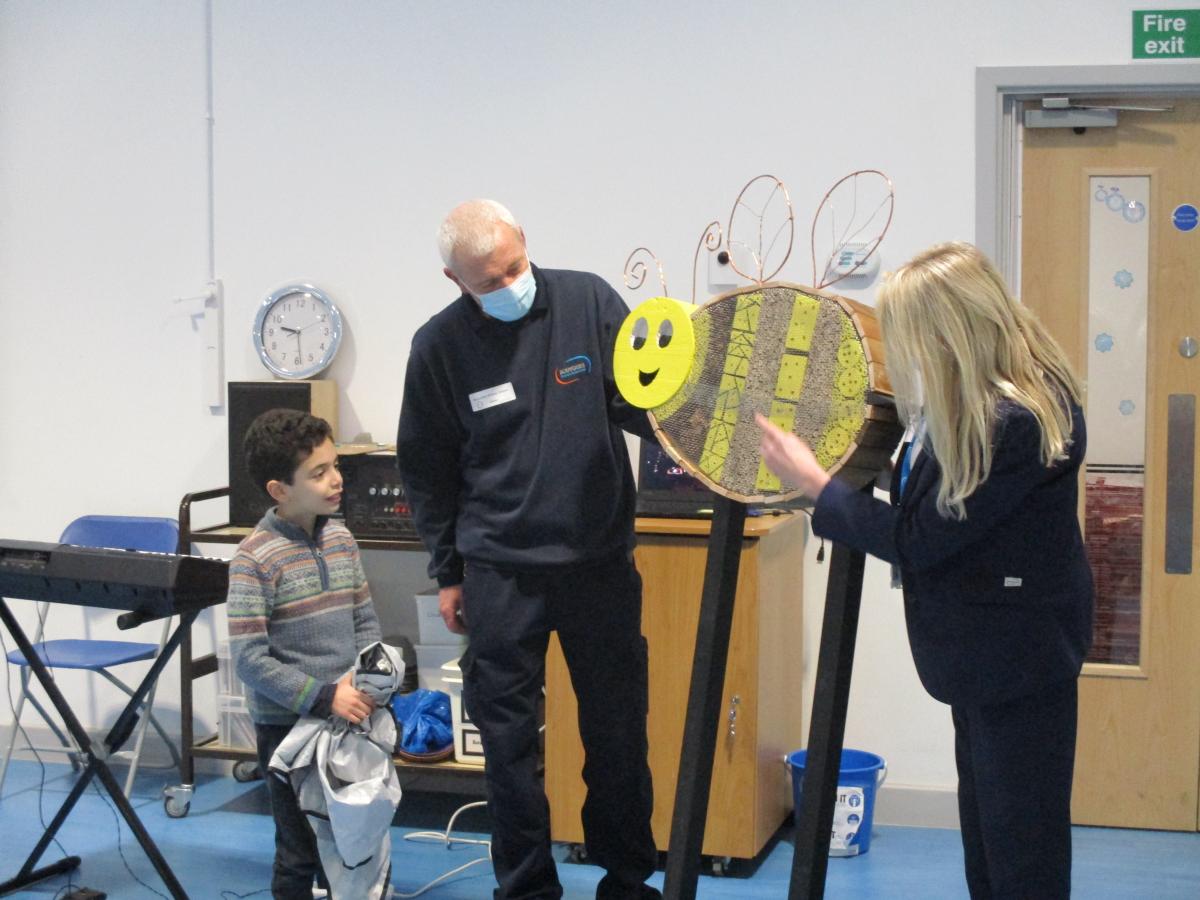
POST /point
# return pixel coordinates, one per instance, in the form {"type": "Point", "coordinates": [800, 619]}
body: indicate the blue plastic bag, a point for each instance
{"type": "Point", "coordinates": [424, 721]}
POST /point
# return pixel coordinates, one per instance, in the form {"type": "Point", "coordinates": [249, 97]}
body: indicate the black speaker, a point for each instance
{"type": "Point", "coordinates": [248, 400]}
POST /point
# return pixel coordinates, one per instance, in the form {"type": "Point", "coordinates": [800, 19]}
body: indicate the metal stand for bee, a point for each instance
{"type": "Point", "coordinates": [815, 818]}
{"type": "Point", "coordinates": [704, 699]}
{"type": "Point", "coordinates": [827, 728]}
{"type": "Point", "coordinates": [859, 235]}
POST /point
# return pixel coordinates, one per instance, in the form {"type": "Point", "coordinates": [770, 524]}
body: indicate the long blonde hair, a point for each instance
{"type": "Point", "coordinates": [957, 343]}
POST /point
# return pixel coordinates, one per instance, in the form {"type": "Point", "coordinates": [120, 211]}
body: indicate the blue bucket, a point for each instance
{"type": "Point", "coordinates": [860, 776]}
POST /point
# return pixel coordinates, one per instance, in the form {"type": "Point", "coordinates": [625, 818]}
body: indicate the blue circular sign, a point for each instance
{"type": "Point", "coordinates": [1185, 217]}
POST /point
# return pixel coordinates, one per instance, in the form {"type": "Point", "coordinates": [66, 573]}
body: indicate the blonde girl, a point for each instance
{"type": "Point", "coordinates": [982, 528]}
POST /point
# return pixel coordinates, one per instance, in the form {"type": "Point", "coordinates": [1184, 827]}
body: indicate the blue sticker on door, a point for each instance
{"type": "Point", "coordinates": [1185, 217]}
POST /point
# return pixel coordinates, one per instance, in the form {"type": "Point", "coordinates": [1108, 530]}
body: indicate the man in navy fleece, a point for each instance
{"type": "Point", "coordinates": [512, 454]}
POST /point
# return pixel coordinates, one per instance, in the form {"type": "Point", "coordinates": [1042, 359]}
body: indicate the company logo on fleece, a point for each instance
{"type": "Point", "coordinates": [573, 369]}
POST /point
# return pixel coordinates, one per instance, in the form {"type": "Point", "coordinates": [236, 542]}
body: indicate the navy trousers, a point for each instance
{"type": "Point", "coordinates": [1015, 765]}
{"type": "Point", "coordinates": [596, 610]}
{"type": "Point", "coordinates": [296, 858]}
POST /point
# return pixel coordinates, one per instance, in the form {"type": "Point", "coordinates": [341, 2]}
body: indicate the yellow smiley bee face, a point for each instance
{"type": "Point", "coordinates": [654, 352]}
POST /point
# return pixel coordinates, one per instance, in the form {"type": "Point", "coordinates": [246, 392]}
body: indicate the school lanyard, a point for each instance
{"type": "Point", "coordinates": [914, 447]}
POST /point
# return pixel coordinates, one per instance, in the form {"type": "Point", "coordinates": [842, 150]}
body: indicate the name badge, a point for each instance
{"type": "Point", "coordinates": [1009, 581]}
{"type": "Point", "coordinates": [493, 396]}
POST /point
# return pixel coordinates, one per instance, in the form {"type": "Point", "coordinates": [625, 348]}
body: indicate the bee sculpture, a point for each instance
{"type": "Point", "coordinates": [811, 361]}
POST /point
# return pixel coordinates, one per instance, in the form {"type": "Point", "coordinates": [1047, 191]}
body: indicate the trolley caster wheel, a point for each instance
{"type": "Point", "coordinates": [719, 866]}
{"type": "Point", "coordinates": [245, 771]}
{"type": "Point", "coordinates": [177, 800]}
{"type": "Point", "coordinates": [577, 854]}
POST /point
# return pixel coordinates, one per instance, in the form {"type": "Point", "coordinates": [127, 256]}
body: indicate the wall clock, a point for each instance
{"type": "Point", "coordinates": [297, 331]}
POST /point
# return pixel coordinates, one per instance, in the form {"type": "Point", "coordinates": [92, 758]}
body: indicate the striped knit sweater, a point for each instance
{"type": "Point", "coordinates": [299, 611]}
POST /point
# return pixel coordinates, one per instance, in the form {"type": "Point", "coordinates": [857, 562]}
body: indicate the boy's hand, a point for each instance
{"type": "Point", "coordinates": [450, 605]}
{"type": "Point", "coordinates": [349, 702]}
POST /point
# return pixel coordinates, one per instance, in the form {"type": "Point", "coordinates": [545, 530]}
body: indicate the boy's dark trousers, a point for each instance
{"type": "Point", "coordinates": [1015, 764]}
{"type": "Point", "coordinates": [596, 611]}
{"type": "Point", "coordinates": [297, 860]}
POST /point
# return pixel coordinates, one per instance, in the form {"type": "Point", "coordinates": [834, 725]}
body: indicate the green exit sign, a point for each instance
{"type": "Point", "coordinates": [1166, 33]}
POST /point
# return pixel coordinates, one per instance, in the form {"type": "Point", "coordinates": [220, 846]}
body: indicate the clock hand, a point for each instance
{"type": "Point", "coordinates": [289, 330]}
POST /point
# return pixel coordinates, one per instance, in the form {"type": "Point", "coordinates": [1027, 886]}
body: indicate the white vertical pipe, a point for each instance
{"type": "Point", "coordinates": [214, 312]}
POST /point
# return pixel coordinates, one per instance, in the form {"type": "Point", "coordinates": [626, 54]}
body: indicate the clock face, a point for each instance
{"type": "Point", "coordinates": [297, 331]}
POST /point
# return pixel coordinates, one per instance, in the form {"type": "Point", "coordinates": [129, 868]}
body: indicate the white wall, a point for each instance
{"type": "Point", "coordinates": [344, 131]}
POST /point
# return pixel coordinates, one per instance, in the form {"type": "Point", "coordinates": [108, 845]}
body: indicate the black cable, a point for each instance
{"type": "Point", "coordinates": [821, 548]}
{"type": "Point", "coordinates": [12, 707]}
{"type": "Point", "coordinates": [70, 885]}
{"type": "Point", "coordinates": [227, 894]}
{"type": "Point", "coordinates": [120, 849]}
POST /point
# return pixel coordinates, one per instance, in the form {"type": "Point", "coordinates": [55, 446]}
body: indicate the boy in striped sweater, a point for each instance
{"type": "Point", "coordinates": [299, 611]}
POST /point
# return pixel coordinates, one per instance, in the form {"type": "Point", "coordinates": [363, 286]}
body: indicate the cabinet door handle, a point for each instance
{"type": "Point", "coordinates": [734, 701]}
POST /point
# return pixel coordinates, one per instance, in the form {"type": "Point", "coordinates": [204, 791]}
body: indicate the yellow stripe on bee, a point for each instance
{"type": "Point", "coordinates": [782, 414]}
{"type": "Point", "coordinates": [791, 376]}
{"type": "Point", "coordinates": [804, 321]}
{"type": "Point", "coordinates": [790, 383]}
{"type": "Point", "coordinates": [733, 382]}
{"type": "Point", "coordinates": [846, 406]}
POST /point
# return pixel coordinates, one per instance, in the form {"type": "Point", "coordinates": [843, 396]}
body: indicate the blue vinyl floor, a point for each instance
{"type": "Point", "coordinates": [225, 845]}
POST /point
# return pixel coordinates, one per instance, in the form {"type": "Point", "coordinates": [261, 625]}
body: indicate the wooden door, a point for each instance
{"type": "Point", "coordinates": [1110, 261]}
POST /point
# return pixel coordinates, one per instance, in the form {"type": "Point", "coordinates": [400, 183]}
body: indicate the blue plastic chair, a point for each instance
{"type": "Point", "coordinates": [122, 533]}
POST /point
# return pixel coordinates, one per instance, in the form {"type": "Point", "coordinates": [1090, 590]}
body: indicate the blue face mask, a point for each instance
{"type": "Point", "coordinates": [512, 302]}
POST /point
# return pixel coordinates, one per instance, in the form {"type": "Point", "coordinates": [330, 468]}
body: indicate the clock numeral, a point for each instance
{"type": "Point", "coordinates": [273, 346]}
{"type": "Point", "coordinates": [310, 357]}
{"type": "Point", "coordinates": [270, 332]}
{"type": "Point", "coordinates": [322, 346]}
{"type": "Point", "coordinates": [326, 332]}
{"type": "Point", "coordinates": [279, 318]}
{"type": "Point", "coordinates": [297, 361]}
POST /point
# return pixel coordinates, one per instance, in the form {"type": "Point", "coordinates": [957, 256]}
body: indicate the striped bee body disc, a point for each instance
{"type": "Point", "coordinates": [811, 362]}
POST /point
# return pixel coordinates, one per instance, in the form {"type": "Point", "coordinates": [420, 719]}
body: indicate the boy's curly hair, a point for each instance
{"type": "Point", "coordinates": [278, 441]}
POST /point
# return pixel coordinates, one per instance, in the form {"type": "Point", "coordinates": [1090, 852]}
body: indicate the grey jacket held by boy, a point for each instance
{"type": "Point", "coordinates": [346, 783]}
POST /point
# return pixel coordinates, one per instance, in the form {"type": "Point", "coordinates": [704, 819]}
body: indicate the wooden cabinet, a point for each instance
{"type": "Point", "coordinates": [750, 795]}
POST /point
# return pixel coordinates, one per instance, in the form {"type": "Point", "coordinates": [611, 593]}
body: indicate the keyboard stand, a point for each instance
{"type": "Point", "coordinates": [96, 765]}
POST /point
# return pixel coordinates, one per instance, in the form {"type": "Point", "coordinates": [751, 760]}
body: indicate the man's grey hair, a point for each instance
{"type": "Point", "coordinates": [470, 230]}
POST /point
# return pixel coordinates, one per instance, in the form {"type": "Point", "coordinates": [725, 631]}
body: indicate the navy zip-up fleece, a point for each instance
{"type": "Point", "coordinates": [510, 444]}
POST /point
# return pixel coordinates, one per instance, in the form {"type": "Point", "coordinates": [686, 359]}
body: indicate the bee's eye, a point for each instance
{"type": "Point", "coordinates": [665, 331]}
{"type": "Point", "coordinates": [641, 330]}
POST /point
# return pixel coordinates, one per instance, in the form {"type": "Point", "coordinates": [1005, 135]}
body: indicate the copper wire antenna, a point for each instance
{"type": "Point", "coordinates": [861, 182]}
{"type": "Point", "coordinates": [634, 273]}
{"type": "Point", "coordinates": [760, 210]}
{"type": "Point", "coordinates": [762, 215]}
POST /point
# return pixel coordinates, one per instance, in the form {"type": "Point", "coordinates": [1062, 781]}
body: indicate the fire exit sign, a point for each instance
{"type": "Point", "coordinates": [1166, 33]}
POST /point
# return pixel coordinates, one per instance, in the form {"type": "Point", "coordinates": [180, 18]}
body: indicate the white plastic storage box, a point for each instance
{"type": "Point", "coordinates": [228, 684]}
{"type": "Point", "coordinates": [468, 748]}
{"type": "Point", "coordinates": [431, 627]}
{"type": "Point", "coordinates": [235, 728]}
{"type": "Point", "coordinates": [430, 659]}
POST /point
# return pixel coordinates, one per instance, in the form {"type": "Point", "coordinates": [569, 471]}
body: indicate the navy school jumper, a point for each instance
{"type": "Point", "coordinates": [997, 605]}
{"type": "Point", "coordinates": [542, 480]}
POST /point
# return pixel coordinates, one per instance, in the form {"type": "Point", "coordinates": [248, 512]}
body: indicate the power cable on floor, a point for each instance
{"type": "Point", "coordinates": [443, 837]}
{"type": "Point", "coordinates": [12, 706]}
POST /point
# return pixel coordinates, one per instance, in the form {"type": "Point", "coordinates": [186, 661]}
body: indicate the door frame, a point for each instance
{"type": "Point", "coordinates": [999, 149]}
{"type": "Point", "coordinates": [998, 91]}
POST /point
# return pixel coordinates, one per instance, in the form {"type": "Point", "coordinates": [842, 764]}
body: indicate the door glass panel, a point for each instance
{"type": "Point", "coordinates": [1118, 265]}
